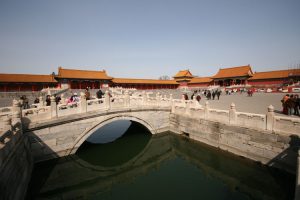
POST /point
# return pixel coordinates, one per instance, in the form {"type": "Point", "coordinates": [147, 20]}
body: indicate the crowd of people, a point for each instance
{"type": "Point", "coordinates": [291, 104]}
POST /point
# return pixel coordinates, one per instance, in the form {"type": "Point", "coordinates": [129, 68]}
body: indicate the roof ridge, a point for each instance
{"type": "Point", "coordinates": [60, 68]}
{"type": "Point", "coordinates": [277, 70]}
{"type": "Point", "coordinates": [236, 67]}
{"type": "Point", "coordinates": [28, 74]}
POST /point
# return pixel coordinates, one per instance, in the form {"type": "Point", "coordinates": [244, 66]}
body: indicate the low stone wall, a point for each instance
{"type": "Point", "coordinates": [273, 149]}
{"type": "Point", "coordinates": [16, 162]}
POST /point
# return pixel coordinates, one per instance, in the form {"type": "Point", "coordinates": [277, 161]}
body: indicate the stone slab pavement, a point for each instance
{"type": "Point", "coordinates": [258, 103]}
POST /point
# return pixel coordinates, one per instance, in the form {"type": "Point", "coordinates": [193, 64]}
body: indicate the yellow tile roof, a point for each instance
{"type": "Point", "coordinates": [27, 78]}
{"type": "Point", "coordinates": [143, 81]}
{"type": "Point", "coordinates": [201, 80]}
{"type": "Point", "coordinates": [234, 72]}
{"type": "Point", "coordinates": [82, 74]}
{"type": "Point", "coordinates": [183, 73]}
{"type": "Point", "coordinates": [275, 74]}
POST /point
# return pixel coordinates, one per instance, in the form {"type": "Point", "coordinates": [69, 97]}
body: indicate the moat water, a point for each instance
{"type": "Point", "coordinates": [139, 165]}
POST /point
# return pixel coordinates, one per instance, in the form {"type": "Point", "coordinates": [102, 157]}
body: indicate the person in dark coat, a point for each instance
{"type": "Point", "coordinates": [87, 94]}
{"type": "Point", "coordinates": [198, 97]}
{"type": "Point", "coordinates": [218, 94]}
{"type": "Point", "coordinates": [48, 100]}
{"type": "Point", "coordinates": [99, 94]}
{"type": "Point", "coordinates": [213, 95]}
{"type": "Point", "coordinates": [297, 104]}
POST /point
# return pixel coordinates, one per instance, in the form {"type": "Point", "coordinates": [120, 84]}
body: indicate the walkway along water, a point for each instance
{"type": "Point", "coordinates": [269, 139]}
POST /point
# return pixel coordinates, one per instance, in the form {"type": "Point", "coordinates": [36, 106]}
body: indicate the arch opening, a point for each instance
{"type": "Point", "coordinates": [114, 143]}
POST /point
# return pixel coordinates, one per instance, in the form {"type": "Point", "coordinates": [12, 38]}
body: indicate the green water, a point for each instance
{"type": "Point", "coordinates": [165, 166]}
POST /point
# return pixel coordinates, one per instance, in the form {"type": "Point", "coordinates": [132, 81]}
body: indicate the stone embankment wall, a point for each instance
{"type": "Point", "coordinates": [15, 158]}
{"type": "Point", "coordinates": [266, 138]}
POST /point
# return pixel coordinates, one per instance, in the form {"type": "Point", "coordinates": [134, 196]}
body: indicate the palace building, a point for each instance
{"type": "Point", "coordinates": [144, 84]}
{"type": "Point", "coordinates": [232, 76]}
{"type": "Point", "coordinates": [239, 77]}
{"type": "Point", "coordinates": [26, 82]}
{"type": "Point", "coordinates": [81, 79]}
{"type": "Point", "coordinates": [183, 77]}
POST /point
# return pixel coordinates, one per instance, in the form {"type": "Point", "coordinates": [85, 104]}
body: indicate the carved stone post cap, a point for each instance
{"type": "Point", "coordinates": [82, 95]}
{"type": "Point", "coordinates": [52, 98]}
{"type": "Point", "coordinates": [126, 92]}
{"type": "Point", "coordinates": [232, 106]}
{"type": "Point", "coordinates": [40, 98]}
{"type": "Point", "coordinates": [16, 103]}
{"type": "Point", "coordinates": [271, 108]}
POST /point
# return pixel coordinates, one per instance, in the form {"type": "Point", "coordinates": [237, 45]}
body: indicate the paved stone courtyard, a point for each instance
{"type": "Point", "coordinates": [258, 103]}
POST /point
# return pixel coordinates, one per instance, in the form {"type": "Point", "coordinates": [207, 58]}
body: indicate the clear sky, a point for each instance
{"type": "Point", "coordinates": [148, 38]}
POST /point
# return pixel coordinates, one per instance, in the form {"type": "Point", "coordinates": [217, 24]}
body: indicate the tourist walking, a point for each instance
{"type": "Point", "coordinates": [218, 94]}
{"type": "Point", "coordinates": [25, 102]}
{"type": "Point", "coordinates": [48, 100]}
{"type": "Point", "coordinates": [99, 94]}
{"type": "Point", "coordinates": [213, 95]}
{"type": "Point", "coordinates": [198, 97]}
{"type": "Point", "coordinates": [87, 94]}
{"type": "Point", "coordinates": [208, 95]}
{"type": "Point", "coordinates": [297, 104]}
{"type": "Point", "coordinates": [290, 105]}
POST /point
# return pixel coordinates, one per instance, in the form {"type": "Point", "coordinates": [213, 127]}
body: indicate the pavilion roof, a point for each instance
{"type": "Point", "coordinates": [201, 80]}
{"type": "Point", "coordinates": [183, 73]}
{"type": "Point", "coordinates": [234, 72]}
{"type": "Point", "coordinates": [82, 74]}
{"type": "Point", "coordinates": [27, 78]}
{"type": "Point", "coordinates": [275, 74]}
{"type": "Point", "coordinates": [144, 81]}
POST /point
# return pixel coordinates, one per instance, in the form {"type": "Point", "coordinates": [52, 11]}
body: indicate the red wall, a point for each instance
{"type": "Point", "coordinates": [198, 84]}
{"type": "Point", "coordinates": [265, 82]}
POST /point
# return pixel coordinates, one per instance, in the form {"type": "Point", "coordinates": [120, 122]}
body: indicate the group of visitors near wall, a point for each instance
{"type": "Point", "coordinates": [212, 94]}
{"type": "Point", "coordinates": [291, 104]}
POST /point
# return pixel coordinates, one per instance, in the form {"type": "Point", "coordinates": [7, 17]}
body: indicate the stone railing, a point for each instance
{"type": "Point", "coordinates": [10, 132]}
{"type": "Point", "coordinates": [189, 108]}
{"type": "Point", "coordinates": [268, 122]}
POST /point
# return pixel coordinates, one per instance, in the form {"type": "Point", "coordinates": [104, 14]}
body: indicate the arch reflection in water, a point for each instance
{"type": "Point", "coordinates": [115, 143]}
{"type": "Point", "coordinates": [172, 166]}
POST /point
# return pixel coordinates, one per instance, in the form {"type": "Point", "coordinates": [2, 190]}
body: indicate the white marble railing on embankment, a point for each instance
{"type": "Point", "coordinates": [10, 132]}
{"type": "Point", "coordinates": [191, 108]}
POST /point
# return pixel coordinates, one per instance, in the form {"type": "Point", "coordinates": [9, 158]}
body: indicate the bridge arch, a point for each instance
{"type": "Point", "coordinates": [82, 137]}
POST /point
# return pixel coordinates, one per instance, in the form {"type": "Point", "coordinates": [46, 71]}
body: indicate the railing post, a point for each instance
{"type": "Point", "coordinates": [188, 108]}
{"type": "Point", "coordinates": [41, 102]}
{"type": "Point", "coordinates": [83, 103]}
{"type": "Point", "coordinates": [16, 107]}
{"type": "Point", "coordinates": [270, 118]}
{"type": "Point", "coordinates": [206, 111]}
{"type": "Point", "coordinates": [144, 95]}
{"type": "Point", "coordinates": [53, 107]}
{"type": "Point", "coordinates": [107, 100]}
{"type": "Point", "coordinates": [232, 114]}
{"type": "Point", "coordinates": [171, 101]}
{"type": "Point", "coordinates": [7, 123]}
{"type": "Point", "coordinates": [17, 114]}
{"type": "Point", "coordinates": [127, 99]}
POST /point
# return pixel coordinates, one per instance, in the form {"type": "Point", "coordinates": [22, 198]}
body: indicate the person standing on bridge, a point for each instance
{"type": "Point", "coordinates": [87, 94]}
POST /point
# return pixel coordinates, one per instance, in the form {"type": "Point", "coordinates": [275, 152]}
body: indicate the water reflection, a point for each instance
{"type": "Point", "coordinates": [133, 141]}
{"type": "Point", "coordinates": [163, 166]}
{"type": "Point", "coordinates": [109, 132]}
